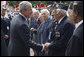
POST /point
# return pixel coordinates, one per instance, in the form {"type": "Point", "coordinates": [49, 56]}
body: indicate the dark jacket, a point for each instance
{"type": "Point", "coordinates": [20, 42]}
{"type": "Point", "coordinates": [4, 50]}
{"type": "Point", "coordinates": [75, 44]}
{"type": "Point", "coordinates": [58, 44]}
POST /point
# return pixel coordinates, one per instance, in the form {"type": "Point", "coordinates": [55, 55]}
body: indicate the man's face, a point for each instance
{"type": "Point", "coordinates": [42, 18]}
{"type": "Point", "coordinates": [71, 16]}
{"type": "Point", "coordinates": [35, 15]}
{"type": "Point", "coordinates": [3, 12]}
{"type": "Point", "coordinates": [28, 12]}
{"type": "Point", "coordinates": [56, 15]}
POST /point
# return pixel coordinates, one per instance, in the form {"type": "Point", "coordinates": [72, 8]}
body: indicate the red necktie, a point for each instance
{"type": "Point", "coordinates": [35, 22]}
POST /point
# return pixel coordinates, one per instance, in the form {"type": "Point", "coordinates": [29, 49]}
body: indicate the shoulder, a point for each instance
{"type": "Point", "coordinates": [17, 20]}
{"type": "Point", "coordinates": [67, 21]}
{"type": "Point", "coordinates": [79, 31]}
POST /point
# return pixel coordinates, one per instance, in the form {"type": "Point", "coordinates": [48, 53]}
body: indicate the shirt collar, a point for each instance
{"type": "Point", "coordinates": [78, 24]}
{"type": "Point", "coordinates": [2, 17]}
{"type": "Point", "coordinates": [23, 16]}
{"type": "Point", "coordinates": [36, 19]}
{"type": "Point", "coordinates": [61, 19]}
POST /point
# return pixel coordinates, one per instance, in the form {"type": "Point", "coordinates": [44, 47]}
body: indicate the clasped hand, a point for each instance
{"type": "Point", "coordinates": [46, 47]}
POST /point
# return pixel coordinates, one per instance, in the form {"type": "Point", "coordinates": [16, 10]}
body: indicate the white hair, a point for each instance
{"type": "Point", "coordinates": [45, 11]}
{"type": "Point", "coordinates": [62, 11]}
{"type": "Point", "coordinates": [40, 14]}
{"type": "Point", "coordinates": [24, 5]}
{"type": "Point", "coordinates": [35, 11]}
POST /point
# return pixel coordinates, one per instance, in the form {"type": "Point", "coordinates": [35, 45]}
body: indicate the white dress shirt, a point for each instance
{"type": "Point", "coordinates": [78, 24]}
{"type": "Point", "coordinates": [2, 17]}
{"type": "Point", "coordinates": [60, 20]}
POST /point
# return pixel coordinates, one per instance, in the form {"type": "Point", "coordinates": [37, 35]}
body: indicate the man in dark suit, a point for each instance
{"type": "Point", "coordinates": [4, 25]}
{"type": "Point", "coordinates": [4, 50]}
{"type": "Point", "coordinates": [7, 21]}
{"type": "Point", "coordinates": [20, 42]}
{"type": "Point", "coordinates": [75, 44]}
{"type": "Point", "coordinates": [60, 34]}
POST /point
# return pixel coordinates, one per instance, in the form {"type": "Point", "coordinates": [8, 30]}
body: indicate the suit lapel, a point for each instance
{"type": "Point", "coordinates": [25, 21]}
{"type": "Point", "coordinates": [61, 23]}
{"type": "Point", "coordinates": [79, 26]}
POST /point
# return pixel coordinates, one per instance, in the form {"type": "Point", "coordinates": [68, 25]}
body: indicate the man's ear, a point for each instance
{"type": "Point", "coordinates": [23, 11]}
{"type": "Point", "coordinates": [77, 13]}
{"type": "Point", "coordinates": [76, 16]}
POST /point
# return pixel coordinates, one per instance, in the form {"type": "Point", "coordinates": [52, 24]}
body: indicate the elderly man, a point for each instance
{"type": "Point", "coordinates": [34, 23]}
{"type": "Point", "coordinates": [75, 44]}
{"type": "Point", "coordinates": [20, 42]}
{"type": "Point", "coordinates": [38, 32]}
{"type": "Point", "coordinates": [60, 35]}
{"type": "Point", "coordinates": [45, 31]}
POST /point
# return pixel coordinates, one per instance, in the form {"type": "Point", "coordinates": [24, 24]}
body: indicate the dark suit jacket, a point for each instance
{"type": "Point", "coordinates": [75, 44]}
{"type": "Point", "coordinates": [4, 50]}
{"type": "Point", "coordinates": [4, 26]}
{"type": "Point", "coordinates": [20, 42]}
{"type": "Point", "coordinates": [58, 45]}
{"type": "Point", "coordinates": [8, 30]}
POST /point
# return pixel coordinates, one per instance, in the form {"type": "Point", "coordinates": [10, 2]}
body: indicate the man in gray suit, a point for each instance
{"type": "Point", "coordinates": [45, 30]}
{"type": "Point", "coordinates": [20, 42]}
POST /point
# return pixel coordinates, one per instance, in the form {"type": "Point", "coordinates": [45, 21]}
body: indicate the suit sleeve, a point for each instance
{"type": "Point", "coordinates": [25, 36]}
{"type": "Point", "coordinates": [65, 33]}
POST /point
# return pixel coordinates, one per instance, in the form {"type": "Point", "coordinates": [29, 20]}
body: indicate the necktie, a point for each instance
{"type": "Point", "coordinates": [35, 22]}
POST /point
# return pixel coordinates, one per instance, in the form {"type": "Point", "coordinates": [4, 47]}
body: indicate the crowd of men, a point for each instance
{"type": "Point", "coordinates": [59, 33]}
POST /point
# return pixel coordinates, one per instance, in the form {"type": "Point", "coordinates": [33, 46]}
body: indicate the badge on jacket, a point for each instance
{"type": "Point", "coordinates": [57, 34]}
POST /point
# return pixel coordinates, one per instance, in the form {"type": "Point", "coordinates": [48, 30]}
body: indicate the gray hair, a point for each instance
{"type": "Point", "coordinates": [24, 5]}
{"type": "Point", "coordinates": [62, 11]}
{"type": "Point", "coordinates": [40, 14]}
{"type": "Point", "coordinates": [45, 11]}
{"type": "Point", "coordinates": [35, 11]}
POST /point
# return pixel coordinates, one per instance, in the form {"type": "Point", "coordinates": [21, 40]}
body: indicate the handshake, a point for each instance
{"type": "Point", "coordinates": [46, 45]}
